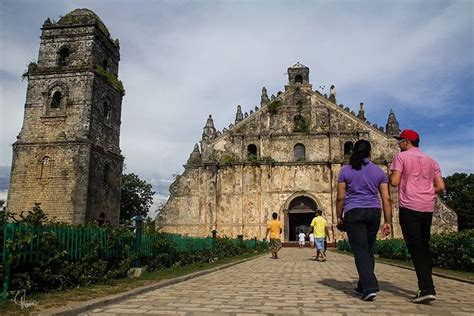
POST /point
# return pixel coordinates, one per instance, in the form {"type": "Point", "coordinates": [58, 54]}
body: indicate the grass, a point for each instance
{"type": "Point", "coordinates": [81, 294]}
{"type": "Point", "coordinates": [469, 276]}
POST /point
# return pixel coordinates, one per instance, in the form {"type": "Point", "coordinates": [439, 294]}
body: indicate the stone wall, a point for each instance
{"type": "Point", "coordinates": [59, 184]}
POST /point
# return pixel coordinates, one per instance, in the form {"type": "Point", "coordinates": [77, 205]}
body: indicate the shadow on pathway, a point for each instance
{"type": "Point", "coordinates": [348, 286]}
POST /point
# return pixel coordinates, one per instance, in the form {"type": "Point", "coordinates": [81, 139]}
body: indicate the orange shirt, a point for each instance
{"type": "Point", "coordinates": [274, 226]}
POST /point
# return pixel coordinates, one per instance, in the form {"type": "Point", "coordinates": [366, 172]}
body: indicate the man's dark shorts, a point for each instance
{"type": "Point", "coordinates": [275, 244]}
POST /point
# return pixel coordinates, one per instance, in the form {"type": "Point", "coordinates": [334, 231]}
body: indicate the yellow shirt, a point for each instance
{"type": "Point", "coordinates": [274, 227]}
{"type": "Point", "coordinates": [319, 225]}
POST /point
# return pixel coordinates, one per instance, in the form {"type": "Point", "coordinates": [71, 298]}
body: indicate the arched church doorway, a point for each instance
{"type": "Point", "coordinates": [301, 211]}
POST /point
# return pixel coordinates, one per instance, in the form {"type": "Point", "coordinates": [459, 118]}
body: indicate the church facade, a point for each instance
{"type": "Point", "coordinates": [67, 155]}
{"type": "Point", "coordinates": [283, 157]}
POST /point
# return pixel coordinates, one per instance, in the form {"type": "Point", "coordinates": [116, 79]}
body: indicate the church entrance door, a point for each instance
{"type": "Point", "coordinates": [301, 211]}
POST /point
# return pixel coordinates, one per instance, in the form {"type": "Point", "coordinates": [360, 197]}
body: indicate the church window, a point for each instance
{"type": "Point", "coordinates": [106, 174]}
{"type": "Point", "coordinates": [105, 64]}
{"type": "Point", "coordinates": [44, 167]}
{"type": "Point", "coordinates": [252, 151]}
{"type": "Point", "coordinates": [63, 57]}
{"type": "Point", "coordinates": [299, 152]}
{"type": "Point", "coordinates": [298, 79]}
{"type": "Point", "coordinates": [106, 113]}
{"type": "Point", "coordinates": [348, 146]}
{"type": "Point", "coordinates": [56, 100]}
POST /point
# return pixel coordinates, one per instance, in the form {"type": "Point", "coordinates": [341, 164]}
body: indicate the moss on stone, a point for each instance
{"type": "Point", "coordinates": [229, 159]}
{"type": "Point", "coordinates": [301, 126]}
{"type": "Point", "coordinates": [274, 107]}
{"type": "Point", "coordinates": [111, 79]}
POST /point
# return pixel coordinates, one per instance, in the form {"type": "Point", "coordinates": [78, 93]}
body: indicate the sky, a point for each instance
{"type": "Point", "coordinates": [183, 60]}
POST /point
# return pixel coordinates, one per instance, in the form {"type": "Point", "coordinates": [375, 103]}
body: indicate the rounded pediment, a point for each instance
{"type": "Point", "coordinates": [83, 17]}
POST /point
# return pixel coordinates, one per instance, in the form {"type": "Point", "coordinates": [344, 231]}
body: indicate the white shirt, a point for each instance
{"type": "Point", "coordinates": [301, 236]}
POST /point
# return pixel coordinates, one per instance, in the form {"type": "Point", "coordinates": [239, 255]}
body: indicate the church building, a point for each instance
{"type": "Point", "coordinates": [284, 157]}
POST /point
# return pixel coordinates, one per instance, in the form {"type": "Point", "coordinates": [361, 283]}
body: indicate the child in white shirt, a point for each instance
{"type": "Point", "coordinates": [301, 238]}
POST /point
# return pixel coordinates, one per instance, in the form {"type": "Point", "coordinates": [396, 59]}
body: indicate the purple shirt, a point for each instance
{"type": "Point", "coordinates": [362, 186]}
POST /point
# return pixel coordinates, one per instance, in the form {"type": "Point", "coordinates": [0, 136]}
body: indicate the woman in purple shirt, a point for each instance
{"type": "Point", "coordinates": [358, 211]}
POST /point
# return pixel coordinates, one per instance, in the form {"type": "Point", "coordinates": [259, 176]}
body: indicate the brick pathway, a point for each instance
{"type": "Point", "coordinates": [295, 285]}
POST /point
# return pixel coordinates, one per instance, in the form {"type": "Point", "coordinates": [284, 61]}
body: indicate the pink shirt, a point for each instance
{"type": "Point", "coordinates": [416, 190]}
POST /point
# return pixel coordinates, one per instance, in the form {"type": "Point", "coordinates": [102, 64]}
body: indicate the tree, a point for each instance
{"type": "Point", "coordinates": [137, 197]}
{"type": "Point", "coordinates": [460, 197]}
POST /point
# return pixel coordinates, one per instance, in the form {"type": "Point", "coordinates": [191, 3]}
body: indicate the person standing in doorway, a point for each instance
{"type": "Point", "coordinates": [302, 239]}
{"type": "Point", "coordinates": [358, 211]}
{"type": "Point", "coordinates": [311, 240]}
{"type": "Point", "coordinates": [274, 228]}
{"type": "Point", "coordinates": [321, 232]}
{"type": "Point", "coordinates": [418, 178]}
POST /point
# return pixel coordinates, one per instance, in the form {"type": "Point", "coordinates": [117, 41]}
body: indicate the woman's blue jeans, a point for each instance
{"type": "Point", "coordinates": [362, 225]}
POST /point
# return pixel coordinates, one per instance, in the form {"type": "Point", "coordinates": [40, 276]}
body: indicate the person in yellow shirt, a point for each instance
{"type": "Point", "coordinates": [275, 228]}
{"type": "Point", "coordinates": [320, 231]}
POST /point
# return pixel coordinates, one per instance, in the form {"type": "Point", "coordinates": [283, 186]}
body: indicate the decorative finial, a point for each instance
{"type": "Point", "coordinates": [47, 22]}
{"type": "Point", "coordinates": [392, 128]}
{"type": "Point", "coordinates": [238, 115]}
{"type": "Point", "coordinates": [264, 98]}
{"type": "Point", "coordinates": [361, 114]}
{"type": "Point", "coordinates": [194, 157]}
{"type": "Point", "coordinates": [209, 131]}
{"type": "Point", "coordinates": [332, 94]}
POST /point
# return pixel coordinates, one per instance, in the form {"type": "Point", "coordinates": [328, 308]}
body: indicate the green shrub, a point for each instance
{"type": "Point", "coordinates": [453, 251]}
{"type": "Point", "coordinates": [343, 245]}
{"type": "Point", "coordinates": [111, 79]}
{"type": "Point", "coordinates": [257, 161]}
{"type": "Point", "coordinates": [39, 260]}
{"type": "Point", "coordinates": [274, 107]}
{"type": "Point", "coordinates": [392, 249]}
{"type": "Point", "coordinates": [229, 159]}
{"type": "Point", "coordinates": [300, 125]}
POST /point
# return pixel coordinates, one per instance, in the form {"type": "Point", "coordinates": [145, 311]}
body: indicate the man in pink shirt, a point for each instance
{"type": "Point", "coordinates": [419, 179]}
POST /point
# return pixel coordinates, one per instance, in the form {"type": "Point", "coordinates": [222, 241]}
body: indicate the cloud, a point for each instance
{"type": "Point", "coordinates": [4, 177]}
{"type": "Point", "coordinates": [453, 158]}
{"type": "Point", "coordinates": [3, 195]}
{"type": "Point", "coordinates": [184, 60]}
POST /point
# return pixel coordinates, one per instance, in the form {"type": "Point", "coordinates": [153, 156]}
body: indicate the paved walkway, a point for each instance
{"type": "Point", "coordinates": [295, 285]}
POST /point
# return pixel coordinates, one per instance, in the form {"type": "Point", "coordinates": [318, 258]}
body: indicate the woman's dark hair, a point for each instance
{"type": "Point", "coordinates": [361, 150]}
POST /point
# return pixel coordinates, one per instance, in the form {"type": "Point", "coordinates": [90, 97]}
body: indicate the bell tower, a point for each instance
{"type": "Point", "coordinates": [298, 77]}
{"type": "Point", "coordinates": [298, 74]}
{"type": "Point", "coordinates": [67, 155]}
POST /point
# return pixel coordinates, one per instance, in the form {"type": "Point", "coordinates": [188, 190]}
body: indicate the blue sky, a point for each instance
{"type": "Point", "coordinates": [184, 60]}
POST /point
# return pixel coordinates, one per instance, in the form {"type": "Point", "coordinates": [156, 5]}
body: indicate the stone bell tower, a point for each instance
{"type": "Point", "coordinates": [298, 74]}
{"type": "Point", "coordinates": [67, 155]}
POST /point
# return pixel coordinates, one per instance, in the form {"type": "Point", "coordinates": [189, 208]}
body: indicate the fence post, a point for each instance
{"type": "Point", "coordinates": [214, 236]}
{"type": "Point", "coordinates": [255, 240]}
{"type": "Point", "coordinates": [6, 258]}
{"type": "Point", "coordinates": [138, 223]}
{"type": "Point", "coordinates": [241, 239]}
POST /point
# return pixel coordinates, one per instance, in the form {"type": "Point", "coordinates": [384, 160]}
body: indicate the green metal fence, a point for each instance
{"type": "Point", "coordinates": [75, 242]}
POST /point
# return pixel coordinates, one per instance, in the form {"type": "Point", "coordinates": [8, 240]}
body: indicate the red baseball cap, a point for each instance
{"type": "Point", "coordinates": [408, 134]}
